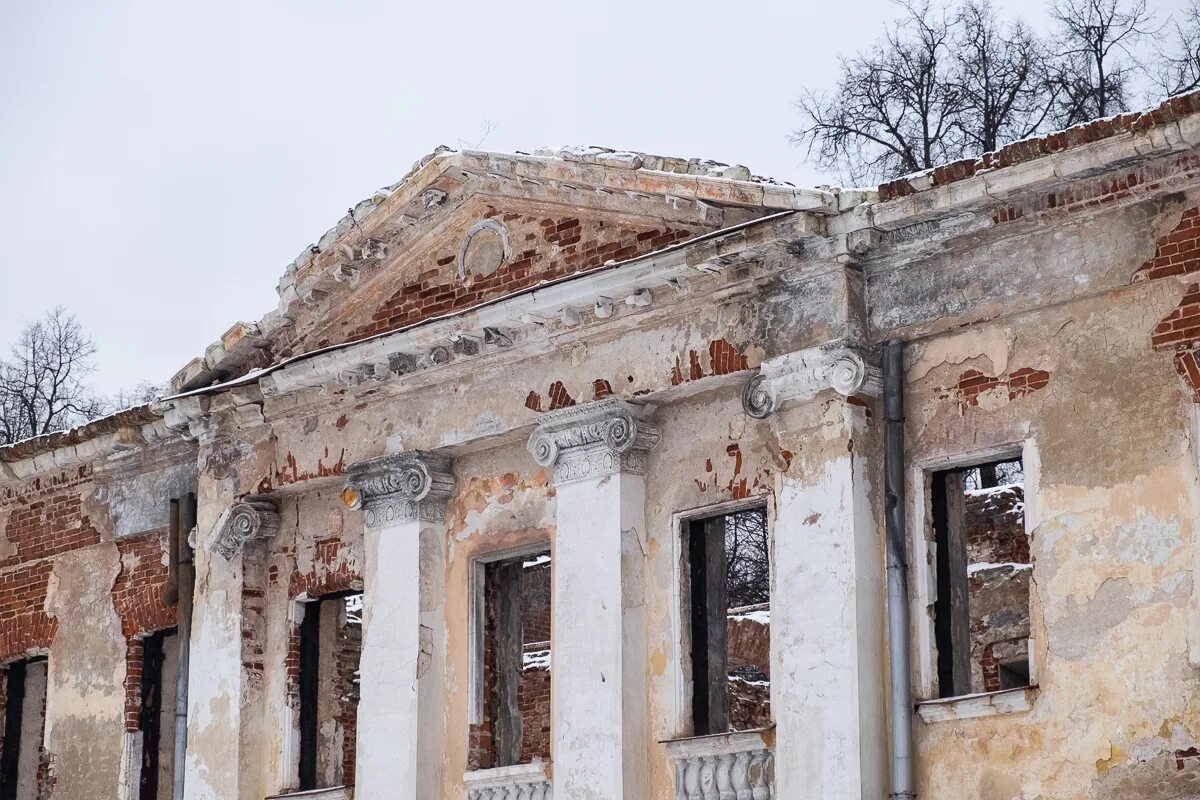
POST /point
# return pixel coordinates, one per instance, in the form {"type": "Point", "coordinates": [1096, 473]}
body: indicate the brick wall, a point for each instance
{"type": "Point", "coordinates": [44, 519]}
{"type": "Point", "coordinates": [346, 661]}
{"type": "Point", "coordinates": [533, 687]}
{"type": "Point", "coordinates": [1179, 333]}
{"type": "Point", "coordinates": [542, 248]}
{"type": "Point", "coordinates": [998, 596]}
{"type": "Point", "coordinates": [1177, 253]}
{"type": "Point", "coordinates": [533, 700]}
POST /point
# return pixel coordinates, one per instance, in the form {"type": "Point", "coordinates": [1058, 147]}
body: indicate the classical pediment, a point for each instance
{"type": "Point", "coordinates": [467, 228]}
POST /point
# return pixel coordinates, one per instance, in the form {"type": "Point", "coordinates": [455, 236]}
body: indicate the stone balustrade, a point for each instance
{"type": "Point", "coordinates": [520, 782]}
{"type": "Point", "coordinates": [727, 766]}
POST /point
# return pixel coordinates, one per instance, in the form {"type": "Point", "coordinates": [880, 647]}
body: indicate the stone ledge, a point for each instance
{"type": "Point", "coordinates": [332, 793]}
{"type": "Point", "coordinates": [974, 706]}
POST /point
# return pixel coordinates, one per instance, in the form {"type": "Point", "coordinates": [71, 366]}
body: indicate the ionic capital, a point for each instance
{"type": "Point", "coordinates": [848, 370]}
{"type": "Point", "coordinates": [595, 439]}
{"type": "Point", "coordinates": [245, 520]}
{"type": "Point", "coordinates": [401, 488]}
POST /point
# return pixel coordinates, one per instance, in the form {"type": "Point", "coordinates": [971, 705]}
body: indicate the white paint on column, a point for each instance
{"type": "Point", "coordinates": [598, 697]}
{"type": "Point", "coordinates": [215, 680]}
{"type": "Point", "coordinates": [386, 754]}
{"type": "Point", "coordinates": [826, 645]}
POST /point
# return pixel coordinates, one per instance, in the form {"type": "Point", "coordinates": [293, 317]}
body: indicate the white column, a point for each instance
{"type": "Point", "coordinates": [216, 676]}
{"type": "Point", "coordinates": [402, 495]}
{"type": "Point", "coordinates": [598, 692]}
{"type": "Point", "coordinates": [827, 608]}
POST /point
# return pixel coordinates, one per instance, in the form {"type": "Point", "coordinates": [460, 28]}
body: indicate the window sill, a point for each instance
{"type": "Point", "coordinates": [974, 706]}
{"type": "Point", "coordinates": [332, 793]}
{"type": "Point", "coordinates": [530, 777]}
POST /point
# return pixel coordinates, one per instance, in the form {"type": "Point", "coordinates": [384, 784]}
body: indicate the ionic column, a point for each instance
{"type": "Point", "coordinates": [403, 498]}
{"type": "Point", "coordinates": [216, 675]}
{"type": "Point", "coordinates": [827, 605]}
{"type": "Point", "coordinates": [598, 694]}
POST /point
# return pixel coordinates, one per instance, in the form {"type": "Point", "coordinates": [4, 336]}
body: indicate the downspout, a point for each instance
{"type": "Point", "coordinates": [181, 584]}
{"type": "Point", "coordinates": [903, 786]}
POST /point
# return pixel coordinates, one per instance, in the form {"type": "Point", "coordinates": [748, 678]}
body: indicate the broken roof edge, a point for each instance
{"type": "Point", "coordinates": [1133, 123]}
{"type": "Point", "coordinates": [34, 446]}
{"type": "Point", "coordinates": [253, 376]}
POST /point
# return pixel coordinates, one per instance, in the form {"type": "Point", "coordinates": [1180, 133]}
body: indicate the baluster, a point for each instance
{"type": "Point", "coordinates": [708, 777]}
{"type": "Point", "coordinates": [691, 779]}
{"type": "Point", "coordinates": [680, 779]}
{"type": "Point", "coordinates": [769, 771]}
{"type": "Point", "coordinates": [724, 777]}
{"type": "Point", "coordinates": [758, 776]}
{"type": "Point", "coordinates": [741, 776]}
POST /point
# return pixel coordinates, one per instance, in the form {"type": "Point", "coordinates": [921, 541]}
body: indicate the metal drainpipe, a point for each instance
{"type": "Point", "coordinates": [184, 514]}
{"type": "Point", "coordinates": [903, 787]}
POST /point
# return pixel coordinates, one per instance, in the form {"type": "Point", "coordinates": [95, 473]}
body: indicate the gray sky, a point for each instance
{"type": "Point", "coordinates": [160, 164]}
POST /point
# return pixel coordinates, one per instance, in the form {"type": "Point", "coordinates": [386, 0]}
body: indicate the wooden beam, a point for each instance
{"type": "Point", "coordinates": [509, 660]}
{"type": "Point", "coordinates": [957, 583]}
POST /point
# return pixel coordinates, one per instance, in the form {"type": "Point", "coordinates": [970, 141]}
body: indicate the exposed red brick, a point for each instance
{"type": "Point", "coordinates": [601, 389]}
{"type": "Point", "coordinates": [972, 383]}
{"type": "Point", "coordinates": [558, 396]}
{"type": "Point", "coordinates": [557, 248]}
{"type": "Point", "coordinates": [533, 401]}
{"type": "Point", "coordinates": [1177, 253]}
{"type": "Point", "coordinates": [723, 359]}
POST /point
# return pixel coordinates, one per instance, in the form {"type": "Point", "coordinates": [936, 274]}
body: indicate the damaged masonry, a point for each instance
{"type": "Point", "coordinates": [584, 474]}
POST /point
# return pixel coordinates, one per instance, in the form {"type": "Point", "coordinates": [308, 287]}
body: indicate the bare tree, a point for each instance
{"type": "Point", "coordinates": [895, 106]}
{"type": "Point", "coordinates": [143, 392]}
{"type": "Point", "coordinates": [1178, 68]}
{"type": "Point", "coordinates": [747, 558]}
{"type": "Point", "coordinates": [1002, 79]}
{"type": "Point", "coordinates": [42, 386]}
{"type": "Point", "coordinates": [1095, 66]}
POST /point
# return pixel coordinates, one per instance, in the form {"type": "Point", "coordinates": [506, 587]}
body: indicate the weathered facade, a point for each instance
{"type": "Point", "coordinates": [471, 514]}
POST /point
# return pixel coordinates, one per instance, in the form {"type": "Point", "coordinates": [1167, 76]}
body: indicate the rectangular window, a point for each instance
{"type": "Point", "coordinates": [24, 718]}
{"type": "Point", "coordinates": [156, 721]}
{"type": "Point", "coordinates": [981, 613]}
{"type": "Point", "coordinates": [512, 669]}
{"type": "Point", "coordinates": [729, 590]}
{"type": "Point", "coordinates": [330, 647]}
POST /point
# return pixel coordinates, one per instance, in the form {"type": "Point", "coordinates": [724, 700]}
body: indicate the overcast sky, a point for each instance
{"type": "Point", "coordinates": [160, 164]}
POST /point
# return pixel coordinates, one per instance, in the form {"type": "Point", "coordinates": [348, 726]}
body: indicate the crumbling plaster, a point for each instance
{"type": "Point", "coordinates": [1112, 509]}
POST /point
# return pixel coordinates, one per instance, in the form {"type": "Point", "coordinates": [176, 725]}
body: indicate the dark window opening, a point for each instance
{"type": "Point", "coordinates": [329, 651]}
{"type": "Point", "coordinates": [729, 589]}
{"type": "Point", "coordinates": [981, 613]}
{"type": "Point", "coordinates": [515, 663]}
{"type": "Point", "coordinates": [24, 723]}
{"type": "Point", "coordinates": [156, 719]}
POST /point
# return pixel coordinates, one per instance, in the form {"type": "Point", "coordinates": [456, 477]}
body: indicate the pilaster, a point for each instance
{"type": "Point", "coordinates": [827, 608]}
{"type": "Point", "coordinates": [400, 720]}
{"type": "Point", "coordinates": [217, 685]}
{"type": "Point", "coordinates": [598, 726]}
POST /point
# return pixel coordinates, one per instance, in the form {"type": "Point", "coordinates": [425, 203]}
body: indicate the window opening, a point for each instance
{"type": "Point", "coordinates": [730, 597]}
{"type": "Point", "coordinates": [156, 719]}
{"type": "Point", "coordinates": [981, 613]}
{"type": "Point", "coordinates": [515, 671]}
{"type": "Point", "coordinates": [24, 717]}
{"type": "Point", "coordinates": [329, 651]}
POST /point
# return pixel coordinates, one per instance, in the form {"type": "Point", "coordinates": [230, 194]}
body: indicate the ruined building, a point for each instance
{"type": "Point", "coordinates": [619, 477]}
